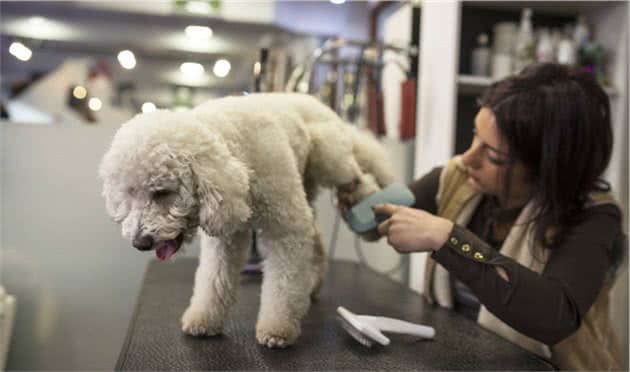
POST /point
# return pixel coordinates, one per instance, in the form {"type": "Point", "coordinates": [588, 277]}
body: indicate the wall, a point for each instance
{"type": "Point", "coordinates": [75, 279]}
{"type": "Point", "coordinates": [612, 31]}
{"type": "Point", "coordinates": [436, 99]}
{"type": "Point", "coordinates": [348, 20]}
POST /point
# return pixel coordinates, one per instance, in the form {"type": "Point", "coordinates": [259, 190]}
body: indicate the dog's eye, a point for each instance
{"type": "Point", "coordinates": [160, 194]}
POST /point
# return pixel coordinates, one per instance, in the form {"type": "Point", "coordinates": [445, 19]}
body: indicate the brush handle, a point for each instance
{"type": "Point", "coordinates": [398, 326]}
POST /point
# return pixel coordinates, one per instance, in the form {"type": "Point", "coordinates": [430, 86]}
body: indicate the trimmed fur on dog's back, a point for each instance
{"type": "Point", "coordinates": [228, 166]}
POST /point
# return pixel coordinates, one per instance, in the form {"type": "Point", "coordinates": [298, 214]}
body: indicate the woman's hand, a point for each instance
{"type": "Point", "coordinates": [413, 230]}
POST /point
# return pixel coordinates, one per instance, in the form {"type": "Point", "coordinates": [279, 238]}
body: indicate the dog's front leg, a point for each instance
{"type": "Point", "coordinates": [287, 283]}
{"type": "Point", "coordinates": [216, 282]}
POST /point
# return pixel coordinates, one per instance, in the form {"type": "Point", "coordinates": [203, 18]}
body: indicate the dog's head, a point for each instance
{"type": "Point", "coordinates": [165, 175]}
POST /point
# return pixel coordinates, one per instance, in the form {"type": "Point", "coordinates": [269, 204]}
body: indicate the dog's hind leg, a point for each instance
{"type": "Point", "coordinates": [216, 283]}
{"type": "Point", "coordinates": [332, 162]}
{"type": "Point", "coordinates": [319, 263]}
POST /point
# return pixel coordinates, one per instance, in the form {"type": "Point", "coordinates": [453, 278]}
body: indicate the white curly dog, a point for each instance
{"type": "Point", "coordinates": [228, 166]}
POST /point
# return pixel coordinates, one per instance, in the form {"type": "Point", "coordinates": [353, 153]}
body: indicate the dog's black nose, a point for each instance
{"type": "Point", "coordinates": [143, 242]}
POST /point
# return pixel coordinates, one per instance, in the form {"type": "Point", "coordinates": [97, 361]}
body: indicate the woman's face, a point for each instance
{"type": "Point", "coordinates": [487, 162]}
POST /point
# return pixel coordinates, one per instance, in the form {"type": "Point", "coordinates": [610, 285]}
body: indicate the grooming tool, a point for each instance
{"type": "Point", "coordinates": [368, 329]}
{"type": "Point", "coordinates": [361, 217]}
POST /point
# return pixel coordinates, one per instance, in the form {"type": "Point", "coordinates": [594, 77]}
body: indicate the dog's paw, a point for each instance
{"type": "Point", "coordinates": [200, 323]}
{"type": "Point", "coordinates": [275, 335]}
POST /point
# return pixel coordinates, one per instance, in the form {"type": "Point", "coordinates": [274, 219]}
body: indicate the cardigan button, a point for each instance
{"type": "Point", "coordinates": [478, 255]}
{"type": "Point", "coordinates": [454, 240]}
{"type": "Point", "coordinates": [465, 247]}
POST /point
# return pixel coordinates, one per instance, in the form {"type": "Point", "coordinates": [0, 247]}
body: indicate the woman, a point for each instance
{"type": "Point", "coordinates": [525, 236]}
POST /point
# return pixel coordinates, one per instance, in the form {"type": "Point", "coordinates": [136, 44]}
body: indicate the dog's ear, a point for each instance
{"type": "Point", "coordinates": [222, 185]}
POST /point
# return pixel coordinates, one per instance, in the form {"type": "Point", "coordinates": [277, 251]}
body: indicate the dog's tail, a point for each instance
{"type": "Point", "coordinates": [371, 156]}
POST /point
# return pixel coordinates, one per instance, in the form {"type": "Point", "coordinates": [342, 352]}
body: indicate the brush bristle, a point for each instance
{"type": "Point", "coordinates": [355, 333]}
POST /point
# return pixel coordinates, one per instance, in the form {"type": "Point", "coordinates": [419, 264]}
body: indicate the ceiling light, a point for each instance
{"type": "Point", "coordinates": [40, 28]}
{"type": "Point", "coordinates": [95, 104]}
{"type": "Point", "coordinates": [37, 20]}
{"type": "Point", "coordinates": [20, 51]}
{"type": "Point", "coordinates": [127, 59]}
{"type": "Point", "coordinates": [198, 32]}
{"type": "Point", "coordinates": [199, 7]}
{"type": "Point", "coordinates": [221, 68]}
{"type": "Point", "coordinates": [337, 1]}
{"type": "Point", "coordinates": [191, 69]}
{"type": "Point", "coordinates": [148, 107]}
{"type": "Point", "coordinates": [79, 92]}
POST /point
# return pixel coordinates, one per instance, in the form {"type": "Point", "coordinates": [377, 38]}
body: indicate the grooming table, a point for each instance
{"type": "Point", "coordinates": [155, 342]}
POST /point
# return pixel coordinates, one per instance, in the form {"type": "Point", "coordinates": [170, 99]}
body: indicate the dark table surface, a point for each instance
{"type": "Point", "coordinates": [155, 341]}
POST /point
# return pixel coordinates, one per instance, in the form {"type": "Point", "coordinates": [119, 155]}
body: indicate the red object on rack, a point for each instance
{"type": "Point", "coordinates": [408, 109]}
{"type": "Point", "coordinates": [376, 116]}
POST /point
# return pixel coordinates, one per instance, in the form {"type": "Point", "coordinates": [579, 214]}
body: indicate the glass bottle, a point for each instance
{"type": "Point", "coordinates": [524, 50]}
{"type": "Point", "coordinates": [480, 58]}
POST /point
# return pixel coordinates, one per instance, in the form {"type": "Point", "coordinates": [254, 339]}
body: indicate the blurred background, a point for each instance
{"type": "Point", "coordinates": [71, 72]}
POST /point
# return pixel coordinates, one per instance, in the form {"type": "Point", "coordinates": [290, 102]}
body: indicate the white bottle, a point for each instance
{"type": "Point", "coordinates": [480, 58]}
{"type": "Point", "coordinates": [556, 36]}
{"type": "Point", "coordinates": [581, 32]}
{"type": "Point", "coordinates": [544, 48]}
{"type": "Point", "coordinates": [504, 38]}
{"type": "Point", "coordinates": [567, 53]}
{"type": "Point", "coordinates": [524, 51]}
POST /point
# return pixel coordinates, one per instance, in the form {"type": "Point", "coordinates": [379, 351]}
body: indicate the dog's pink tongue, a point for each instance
{"type": "Point", "coordinates": [166, 250]}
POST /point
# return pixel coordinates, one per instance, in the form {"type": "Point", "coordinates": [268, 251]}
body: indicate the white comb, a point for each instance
{"type": "Point", "coordinates": [369, 329]}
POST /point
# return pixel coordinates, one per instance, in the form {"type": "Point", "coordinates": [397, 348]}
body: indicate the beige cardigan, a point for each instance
{"type": "Point", "coordinates": [592, 347]}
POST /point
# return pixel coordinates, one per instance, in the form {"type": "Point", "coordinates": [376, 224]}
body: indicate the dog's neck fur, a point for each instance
{"type": "Point", "coordinates": [222, 186]}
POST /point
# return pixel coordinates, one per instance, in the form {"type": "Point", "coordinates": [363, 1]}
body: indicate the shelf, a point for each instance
{"type": "Point", "coordinates": [563, 7]}
{"type": "Point", "coordinates": [475, 85]}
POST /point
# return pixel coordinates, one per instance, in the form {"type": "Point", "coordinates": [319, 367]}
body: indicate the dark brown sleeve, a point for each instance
{"type": "Point", "coordinates": [425, 189]}
{"type": "Point", "coordinates": [547, 307]}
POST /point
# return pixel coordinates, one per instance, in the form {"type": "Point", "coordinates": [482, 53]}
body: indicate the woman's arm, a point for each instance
{"type": "Point", "coordinates": [547, 307]}
{"type": "Point", "coordinates": [425, 190]}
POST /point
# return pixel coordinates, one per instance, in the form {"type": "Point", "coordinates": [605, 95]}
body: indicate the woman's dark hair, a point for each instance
{"type": "Point", "coordinates": [556, 121]}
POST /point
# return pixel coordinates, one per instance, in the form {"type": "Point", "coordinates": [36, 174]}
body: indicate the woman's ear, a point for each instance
{"type": "Point", "coordinates": [222, 187]}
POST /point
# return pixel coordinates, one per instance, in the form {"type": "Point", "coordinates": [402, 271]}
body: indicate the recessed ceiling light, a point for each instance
{"type": "Point", "coordinates": [191, 69]}
{"type": "Point", "coordinates": [20, 51]}
{"type": "Point", "coordinates": [337, 1]}
{"type": "Point", "coordinates": [79, 92]}
{"type": "Point", "coordinates": [199, 7]}
{"type": "Point", "coordinates": [127, 59]}
{"type": "Point", "coordinates": [37, 20]}
{"type": "Point", "coordinates": [198, 32]}
{"type": "Point", "coordinates": [148, 107]}
{"type": "Point", "coordinates": [95, 104]}
{"type": "Point", "coordinates": [221, 68]}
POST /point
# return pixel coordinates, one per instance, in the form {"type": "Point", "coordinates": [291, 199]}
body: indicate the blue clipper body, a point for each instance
{"type": "Point", "coordinates": [361, 217]}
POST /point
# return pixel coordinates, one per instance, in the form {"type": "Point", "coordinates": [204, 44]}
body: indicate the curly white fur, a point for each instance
{"type": "Point", "coordinates": [227, 166]}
